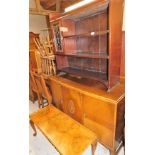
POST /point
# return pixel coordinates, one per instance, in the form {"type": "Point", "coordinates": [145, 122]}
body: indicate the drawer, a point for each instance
{"type": "Point", "coordinates": [72, 104]}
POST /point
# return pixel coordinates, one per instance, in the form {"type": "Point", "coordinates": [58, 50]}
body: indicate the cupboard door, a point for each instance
{"type": "Point", "coordinates": [72, 104]}
{"type": "Point", "coordinates": [56, 94]}
{"type": "Point", "coordinates": [100, 111]}
{"type": "Point", "coordinates": [100, 118]}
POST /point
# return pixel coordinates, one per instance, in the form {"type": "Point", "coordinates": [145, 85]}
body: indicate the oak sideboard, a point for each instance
{"type": "Point", "coordinates": [99, 110]}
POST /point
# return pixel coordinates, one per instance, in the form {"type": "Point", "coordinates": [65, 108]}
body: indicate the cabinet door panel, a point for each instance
{"type": "Point", "coordinates": [100, 118]}
{"type": "Point", "coordinates": [100, 111]}
{"type": "Point", "coordinates": [56, 94]}
{"type": "Point", "coordinates": [105, 135]}
{"type": "Point", "coordinates": [72, 104]}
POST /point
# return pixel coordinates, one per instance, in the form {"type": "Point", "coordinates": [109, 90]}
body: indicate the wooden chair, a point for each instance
{"type": "Point", "coordinates": [43, 90]}
{"type": "Point", "coordinates": [45, 48]}
{"type": "Point", "coordinates": [34, 89]}
{"type": "Point", "coordinates": [48, 65]}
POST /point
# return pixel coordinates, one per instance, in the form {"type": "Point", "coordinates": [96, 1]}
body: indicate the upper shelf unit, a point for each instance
{"type": "Point", "coordinates": [88, 41]}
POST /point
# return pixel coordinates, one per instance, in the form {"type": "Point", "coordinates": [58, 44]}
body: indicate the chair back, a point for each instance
{"type": "Point", "coordinates": [42, 88]}
{"type": "Point", "coordinates": [32, 82]}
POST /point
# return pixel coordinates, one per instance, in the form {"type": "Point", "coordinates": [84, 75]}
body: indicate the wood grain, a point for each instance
{"type": "Point", "coordinates": [101, 112]}
{"type": "Point", "coordinates": [68, 136]}
{"type": "Point", "coordinates": [115, 40]}
{"type": "Point", "coordinates": [72, 104]}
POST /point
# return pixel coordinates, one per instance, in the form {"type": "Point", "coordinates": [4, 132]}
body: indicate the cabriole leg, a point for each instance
{"type": "Point", "coordinates": [112, 152]}
{"type": "Point", "coordinates": [33, 127]}
{"type": "Point", "coordinates": [94, 144]}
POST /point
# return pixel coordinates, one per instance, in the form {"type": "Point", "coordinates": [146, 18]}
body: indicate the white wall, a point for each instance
{"type": "Point", "coordinates": [32, 4]}
{"type": "Point", "coordinates": [36, 23]}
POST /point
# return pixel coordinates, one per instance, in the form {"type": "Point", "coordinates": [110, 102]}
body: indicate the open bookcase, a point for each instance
{"type": "Point", "coordinates": [88, 41]}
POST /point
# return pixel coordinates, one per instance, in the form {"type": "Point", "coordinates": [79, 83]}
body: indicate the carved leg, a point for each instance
{"type": "Point", "coordinates": [33, 127]}
{"type": "Point", "coordinates": [112, 152]}
{"type": "Point", "coordinates": [94, 147]}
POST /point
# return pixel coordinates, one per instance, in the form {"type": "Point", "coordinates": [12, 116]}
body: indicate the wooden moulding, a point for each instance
{"type": "Point", "coordinates": [57, 16]}
{"type": "Point", "coordinates": [113, 97]}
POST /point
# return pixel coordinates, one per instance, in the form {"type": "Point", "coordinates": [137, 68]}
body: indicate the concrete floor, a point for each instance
{"type": "Point", "coordinates": [39, 145]}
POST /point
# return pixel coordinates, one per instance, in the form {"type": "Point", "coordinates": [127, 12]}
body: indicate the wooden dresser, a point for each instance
{"type": "Point", "coordinates": [98, 110]}
{"type": "Point", "coordinates": [88, 43]}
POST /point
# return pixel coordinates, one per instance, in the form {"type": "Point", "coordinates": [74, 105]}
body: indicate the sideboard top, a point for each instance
{"type": "Point", "coordinates": [114, 96]}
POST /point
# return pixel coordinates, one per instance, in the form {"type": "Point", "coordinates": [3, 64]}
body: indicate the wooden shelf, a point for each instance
{"type": "Point", "coordinates": [101, 77]}
{"type": "Point", "coordinates": [89, 34]}
{"type": "Point", "coordinates": [93, 55]}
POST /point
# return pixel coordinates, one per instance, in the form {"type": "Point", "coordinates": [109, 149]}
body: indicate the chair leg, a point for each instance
{"type": "Point", "coordinates": [47, 103]}
{"type": "Point", "coordinates": [41, 103]}
{"type": "Point", "coordinates": [39, 100]}
{"type": "Point", "coordinates": [33, 127]}
{"type": "Point", "coordinates": [94, 145]}
{"type": "Point", "coordinates": [32, 96]}
{"type": "Point", "coordinates": [112, 152]}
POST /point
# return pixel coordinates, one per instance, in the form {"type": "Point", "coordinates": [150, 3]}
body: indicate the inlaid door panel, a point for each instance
{"type": "Point", "coordinates": [100, 118]}
{"type": "Point", "coordinates": [56, 94]}
{"type": "Point", "coordinates": [99, 111]}
{"type": "Point", "coordinates": [105, 136]}
{"type": "Point", "coordinates": [72, 104]}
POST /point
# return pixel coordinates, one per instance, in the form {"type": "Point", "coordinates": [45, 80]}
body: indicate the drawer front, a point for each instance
{"type": "Point", "coordinates": [72, 104]}
{"type": "Point", "coordinates": [57, 94]}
